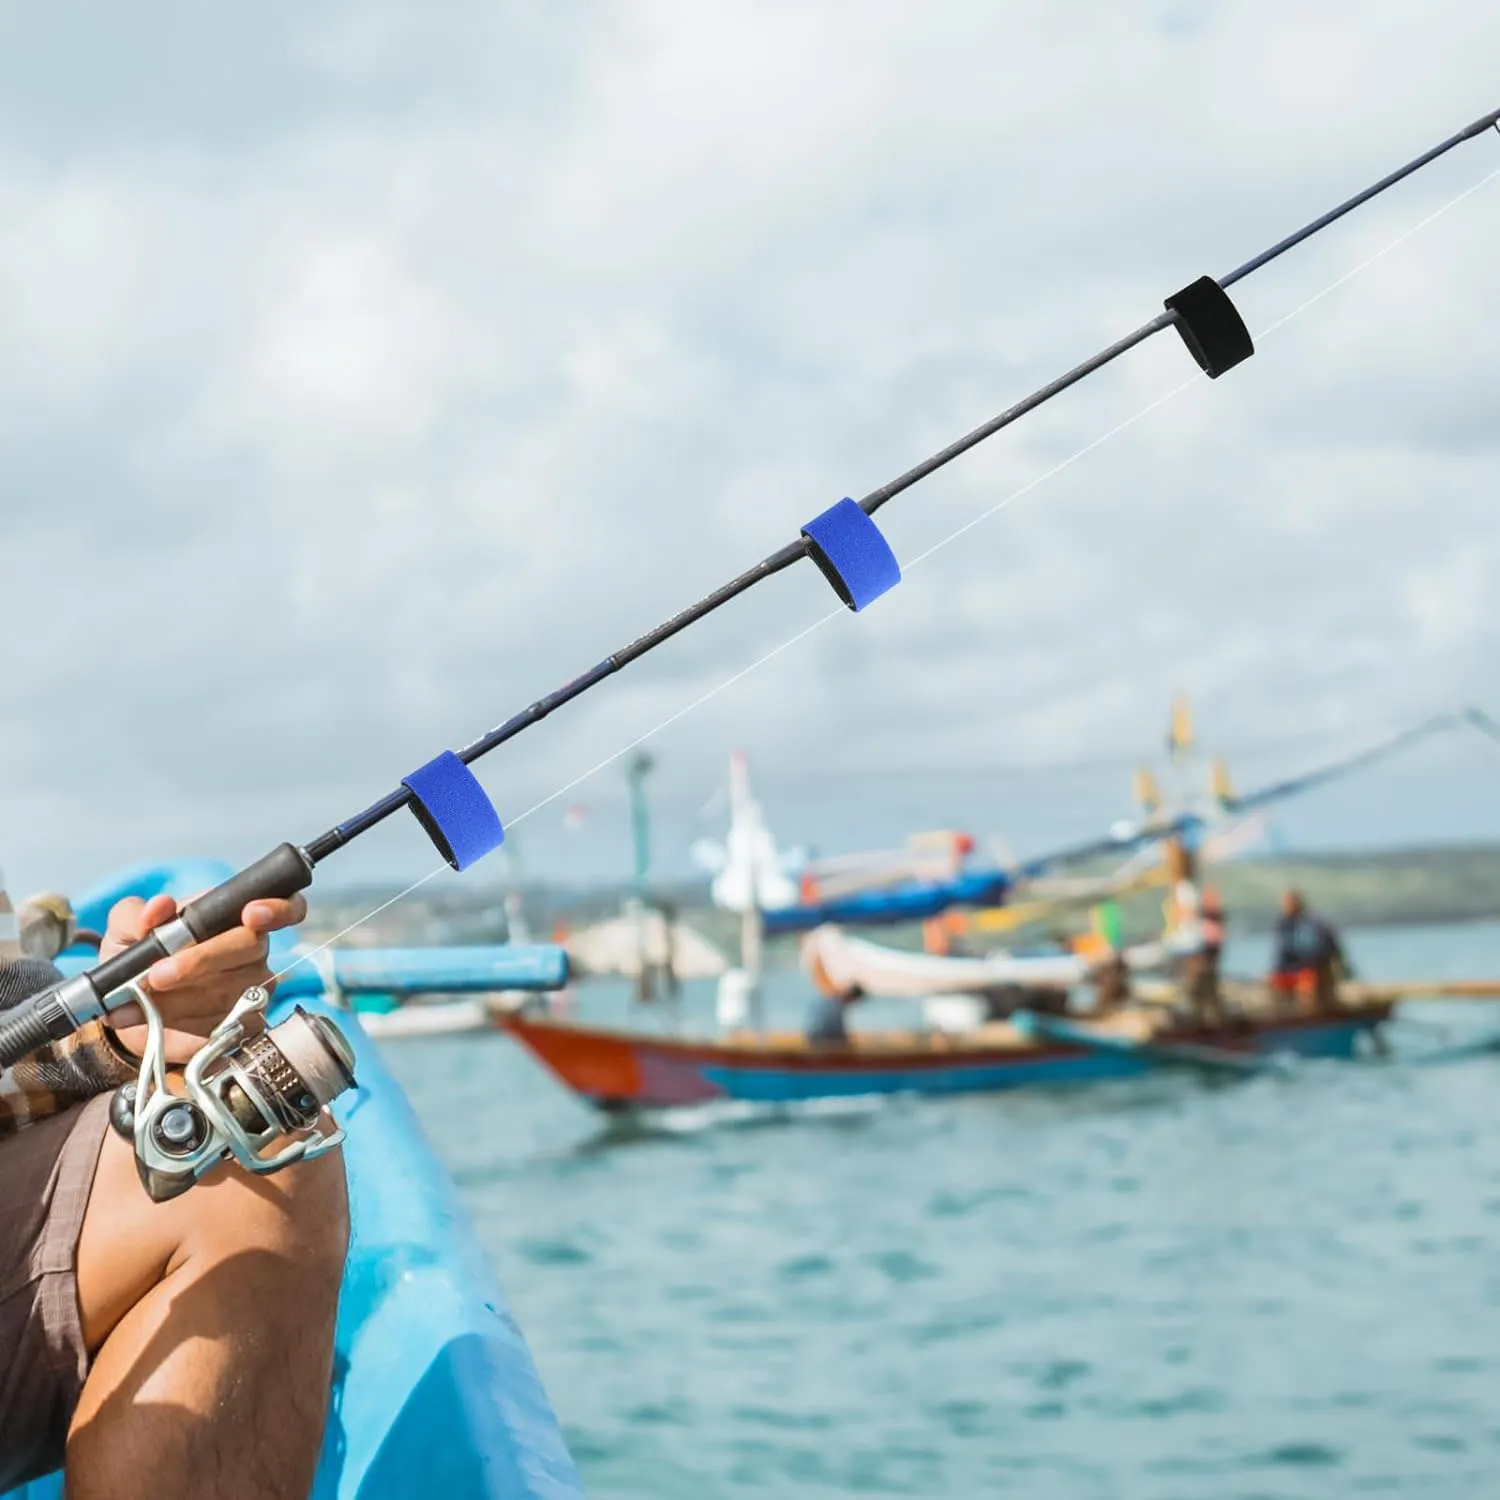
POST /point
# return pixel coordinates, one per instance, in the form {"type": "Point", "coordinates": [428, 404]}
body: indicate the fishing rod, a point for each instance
{"type": "Point", "coordinates": [843, 541]}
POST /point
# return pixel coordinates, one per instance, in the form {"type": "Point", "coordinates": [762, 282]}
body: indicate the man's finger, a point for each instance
{"type": "Point", "coordinates": [211, 991]}
{"type": "Point", "coordinates": [126, 1017]}
{"type": "Point", "coordinates": [268, 916]}
{"type": "Point", "coordinates": [124, 925]}
{"type": "Point", "coordinates": [157, 910]}
{"type": "Point", "coordinates": [238, 949]}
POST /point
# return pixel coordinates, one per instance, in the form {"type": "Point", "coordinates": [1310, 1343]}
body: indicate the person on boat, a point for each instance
{"type": "Point", "coordinates": [827, 1025]}
{"type": "Point", "coordinates": [1111, 978]}
{"type": "Point", "coordinates": [1207, 997]}
{"type": "Point", "coordinates": [1308, 960]}
{"type": "Point", "coordinates": [157, 1349]}
{"type": "Point", "coordinates": [1198, 943]}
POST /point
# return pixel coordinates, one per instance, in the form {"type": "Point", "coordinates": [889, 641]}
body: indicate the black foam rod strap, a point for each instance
{"type": "Point", "coordinates": [1211, 326]}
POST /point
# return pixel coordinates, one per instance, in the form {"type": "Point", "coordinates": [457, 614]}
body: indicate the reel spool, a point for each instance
{"type": "Point", "coordinates": [252, 1093]}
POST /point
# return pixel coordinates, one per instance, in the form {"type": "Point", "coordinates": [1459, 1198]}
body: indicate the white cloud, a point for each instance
{"type": "Point", "coordinates": [391, 374]}
{"type": "Point", "coordinates": [1453, 602]}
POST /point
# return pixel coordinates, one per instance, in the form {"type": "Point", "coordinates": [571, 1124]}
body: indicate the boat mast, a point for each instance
{"type": "Point", "coordinates": [637, 770]}
{"type": "Point", "coordinates": [752, 924]}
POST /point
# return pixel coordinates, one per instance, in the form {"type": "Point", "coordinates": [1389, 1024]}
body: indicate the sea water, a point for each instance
{"type": "Point", "coordinates": [1286, 1286]}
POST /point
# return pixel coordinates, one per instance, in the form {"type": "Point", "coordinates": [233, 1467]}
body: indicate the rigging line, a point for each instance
{"type": "Point", "coordinates": [1034, 483]}
{"type": "Point", "coordinates": [1477, 716]}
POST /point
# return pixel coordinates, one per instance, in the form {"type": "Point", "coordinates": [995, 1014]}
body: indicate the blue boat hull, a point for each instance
{"type": "Point", "coordinates": [435, 1393]}
{"type": "Point", "coordinates": [618, 1070]}
{"type": "Point", "coordinates": [769, 1085]}
{"type": "Point", "coordinates": [907, 901]}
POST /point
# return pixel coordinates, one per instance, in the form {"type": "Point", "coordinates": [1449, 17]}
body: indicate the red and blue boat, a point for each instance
{"type": "Point", "coordinates": [618, 1070]}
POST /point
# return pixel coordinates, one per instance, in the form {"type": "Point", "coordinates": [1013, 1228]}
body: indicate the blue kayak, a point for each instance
{"type": "Point", "coordinates": [435, 1393]}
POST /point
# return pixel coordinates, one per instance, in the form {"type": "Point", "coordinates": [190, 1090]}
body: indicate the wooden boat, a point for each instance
{"type": "Point", "coordinates": [435, 1393]}
{"type": "Point", "coordinates": [624, 1070]}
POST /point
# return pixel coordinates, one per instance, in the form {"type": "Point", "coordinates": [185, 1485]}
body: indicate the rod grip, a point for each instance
{"type": "Point", "coordinates": [281, 873]}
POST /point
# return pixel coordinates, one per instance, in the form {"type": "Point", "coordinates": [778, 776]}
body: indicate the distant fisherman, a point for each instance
{"type": "Point", "coordinates": [1199, 944]}
{"type": "Point", "coordinates": [826, 1025]}
{"type": "Point", "coordinates": [1309, 960]}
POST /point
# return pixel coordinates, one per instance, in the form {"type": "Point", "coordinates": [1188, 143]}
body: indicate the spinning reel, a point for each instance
{"type": "Point", "coordinates": [254, 1093]}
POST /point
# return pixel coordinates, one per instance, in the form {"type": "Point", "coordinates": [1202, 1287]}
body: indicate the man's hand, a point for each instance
{"type": "Point", "coordinates": [195, 988]}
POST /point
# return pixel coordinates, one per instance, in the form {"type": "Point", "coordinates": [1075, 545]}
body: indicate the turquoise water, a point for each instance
{"type": "Point", "coordinates": [1281, 1287]}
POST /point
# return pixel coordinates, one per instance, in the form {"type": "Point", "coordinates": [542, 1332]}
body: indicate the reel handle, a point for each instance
{"type": "Point", "coordinates": [58, 1012]}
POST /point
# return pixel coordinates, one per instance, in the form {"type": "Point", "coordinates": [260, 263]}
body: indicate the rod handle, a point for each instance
{"type": "Point", "coordinates": [283, 872]}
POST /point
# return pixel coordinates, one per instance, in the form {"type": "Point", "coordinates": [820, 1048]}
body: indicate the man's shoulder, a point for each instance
{"type": "Point", "coordinates": [23, 977]}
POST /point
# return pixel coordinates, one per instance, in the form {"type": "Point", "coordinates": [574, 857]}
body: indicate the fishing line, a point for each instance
{"type": "Point", "coordinates": [681, 713]}
{"type": "Point", "coordinates": [323, 947]}
{"type": "Point", "coordinates": [844, 543]}
{"type": "Point", "coordinates": [1056, 469]}
{"type": "Point", "coordinates": [1400, 239]}
{"type": "Point", "coordinates": [1031, 485]}
{"type": "Point", "coordinates": [563, 790]}
{"type": "Point", "coordinates": [1198, 379]}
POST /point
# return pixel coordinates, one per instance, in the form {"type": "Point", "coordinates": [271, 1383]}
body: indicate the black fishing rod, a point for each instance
{"type": "Point", "coordinates": [843, 541]}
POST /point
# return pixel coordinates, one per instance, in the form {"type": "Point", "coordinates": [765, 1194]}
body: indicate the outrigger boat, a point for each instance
{"type": "Point", "coordinates": [379, 985]}
{"type": "Point", "coordinates": [623, 1070]}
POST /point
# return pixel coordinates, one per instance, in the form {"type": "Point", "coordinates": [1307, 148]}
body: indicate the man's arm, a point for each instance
{"type": "Point", "coordinates": [1342, 968]}
{"type": "Point", "coordinates": [63, 1073]}
{"type": "Point", "coordinates": [60, 1075]}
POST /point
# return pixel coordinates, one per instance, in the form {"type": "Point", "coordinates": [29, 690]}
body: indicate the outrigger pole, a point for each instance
{"type": "Point", "coordinates": [844, 542]}
{"type": "Point", "coordinates": [1191, 823]}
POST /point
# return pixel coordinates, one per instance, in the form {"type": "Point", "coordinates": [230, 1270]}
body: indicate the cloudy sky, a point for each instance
{"type": "Point", "coordinates": [366, 369]}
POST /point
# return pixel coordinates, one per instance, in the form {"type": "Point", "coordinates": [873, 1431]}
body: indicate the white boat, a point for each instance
{"type": "Point", "coordinates": [838, 962]}
{"type": "Point", "coordinates": [957, 991]}
{"type": "Point", "coordinates": [617, 946]}
{"type": "Point", "coordinates": [427, 1018]}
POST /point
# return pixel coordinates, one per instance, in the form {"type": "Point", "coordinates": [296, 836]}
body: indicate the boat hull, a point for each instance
{"type": "Point", "coordinates": [617, 1070]}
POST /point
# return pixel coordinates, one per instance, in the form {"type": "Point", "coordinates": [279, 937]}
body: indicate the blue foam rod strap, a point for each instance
{"type": "Point", "coordinates": [454, 809]}
{"type": "Point", "coordinates": [855, 558]}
